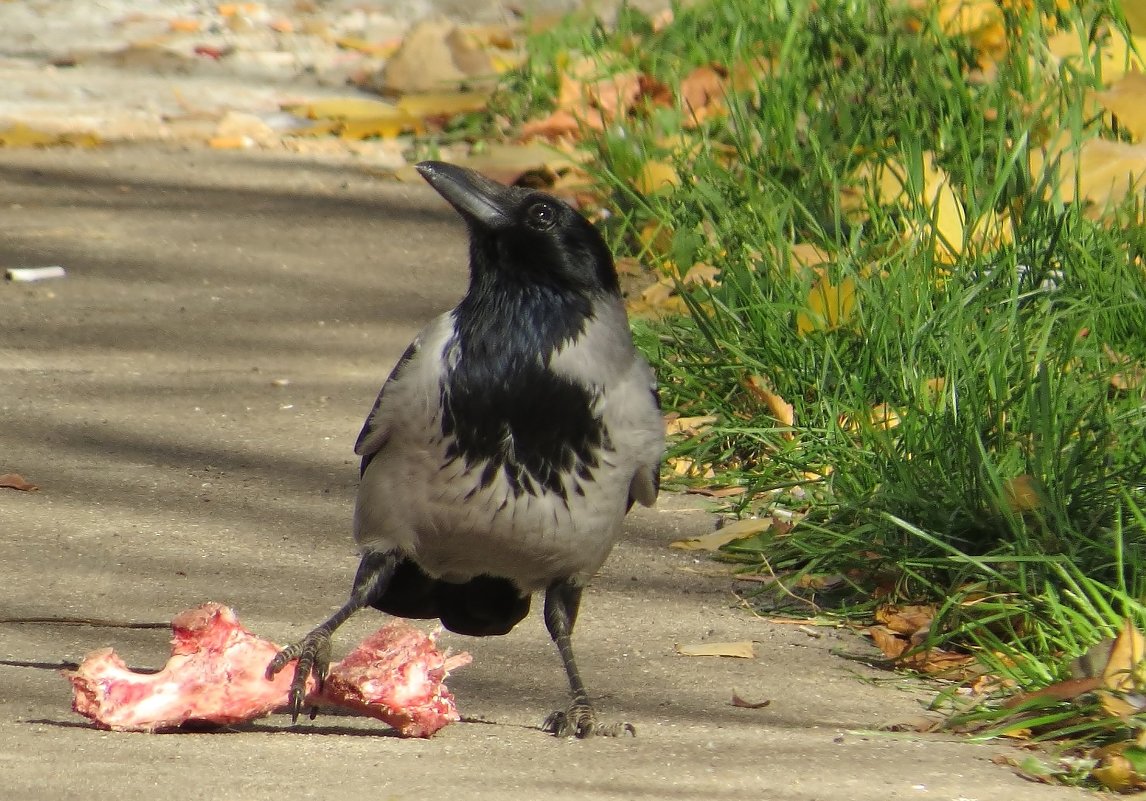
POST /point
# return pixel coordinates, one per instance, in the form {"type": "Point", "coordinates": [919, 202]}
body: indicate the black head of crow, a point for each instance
{"type": "Point", "coordinates": [509, 442]}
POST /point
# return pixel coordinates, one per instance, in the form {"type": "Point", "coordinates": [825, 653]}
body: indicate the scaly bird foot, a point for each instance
{"type": "Point", "coordinates": [580, 722]}
{"type": "Point", "coordinates": [313, 654]}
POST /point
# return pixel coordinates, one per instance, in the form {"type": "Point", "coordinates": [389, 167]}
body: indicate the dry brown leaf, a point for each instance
{"type": "Point", "coordinates": [1065, 690]}
{"type": "Point", "coordinates": [891, 644]}
{"type": "Point", "coordinates": [907, 619]}
{"type": "Point", "coordinates": [561, 123]}
{"type": "Point", "coordinates": [702, 94]}
{"type": "Point", "coordinates": [740, 702]}
{"type": "Point", "coordinates": [737, 530]}
{"type": "Point", "coordinates": [742, 649]}
{"type": "Point", "coordinates": [1130, 377]}
{"type": "Point", "coordinates": [17, 482]}
{"type": "Point", "coordinates": [716, 492]}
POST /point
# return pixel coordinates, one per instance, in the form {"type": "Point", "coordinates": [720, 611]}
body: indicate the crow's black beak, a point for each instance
{"type": "Point", "coordinates": [476, 197]}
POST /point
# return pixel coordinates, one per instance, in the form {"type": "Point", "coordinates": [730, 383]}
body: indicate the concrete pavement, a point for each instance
{"type": "Point", "coordinates": [187, 399]}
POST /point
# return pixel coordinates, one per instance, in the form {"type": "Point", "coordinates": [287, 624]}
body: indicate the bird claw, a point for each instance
{"type": "Point", "coordinates": [313, 655]}
{"type": "Point", "coordinates": [580, 722]}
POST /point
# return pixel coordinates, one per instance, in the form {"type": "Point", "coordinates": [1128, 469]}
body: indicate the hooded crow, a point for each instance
{"type": "Point", "coordinates": [508, 443]}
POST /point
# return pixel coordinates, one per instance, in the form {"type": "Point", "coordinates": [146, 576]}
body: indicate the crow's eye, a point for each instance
{"type": "Point", "coordinates": [541, 216]}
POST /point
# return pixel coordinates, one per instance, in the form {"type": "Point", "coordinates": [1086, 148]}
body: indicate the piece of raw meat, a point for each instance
{"type": "Point", "coordinates": [216, 674]}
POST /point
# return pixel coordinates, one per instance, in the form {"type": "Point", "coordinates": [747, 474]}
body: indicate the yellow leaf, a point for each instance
{"type": "Point", "coordinates": [964, 17]}
{"type": "Point", "coordinates": [809, 255]}
{"type": "Point", "coordinates": [21, 135]}
{"type": "Point", "coordinates": [383, 49]}
{"type": "Point", "coordinates": [656, 176]}
{"type": "Point", "coordinates": [442, 104]}
{"type": "Point", "coordinates": [1116, 773]}
{"type": "Point", "coordinates": [884, 416]}
{"type": "Point", "coordinates": [1135, 13]}
{"type": "Point", "coordinates": [343, 108]}
{"type": "Point", "coordinates": [689, 426]}
{"type": "Point", "coordinates": [730, 533]}
{"type": "Point", "coordinates": [685, 467]}
{"type": "Point", "coordinates": [385, 127]}
{"type": "Point", "coordinates": [744, 649]}
{"type": "Point", "coordinates": [1106, 172]}
{"type": "Point", "coordinates": [829, 306]}
{"type": "Point", "coordinates": [1126, 100]}
{"type": "Point", "coordinates": [1123, 673]}
{"type": "Point", "coordinates": [701, 273]}
{"type": "Point", "coordinates": [1115, 55]}
{"type": "Point", "coordinates": [656, 238]}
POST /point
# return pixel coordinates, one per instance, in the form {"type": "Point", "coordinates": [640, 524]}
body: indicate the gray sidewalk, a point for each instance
{"type": "Point", "coordinates": [188, 397]}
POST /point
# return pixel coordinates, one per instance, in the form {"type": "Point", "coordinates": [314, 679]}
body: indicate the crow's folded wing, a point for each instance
{"type": "Point", "coordinates": [374, 434]}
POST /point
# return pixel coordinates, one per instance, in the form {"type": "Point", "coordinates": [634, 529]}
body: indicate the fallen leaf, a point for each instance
{"type": "Point", "coordinates": [743, 649]}
{"type": "Point", "coordinates": [738, 530]}
{"type": "Point", "coordinates": [561, 123]}
{"type": "Point", "coordinates": [1123, 677]}
{"type": "Point", "coordinates": [685, 467]}
{"type": "Point", "coordinates": [443, 104]}
{"type": "Point", "coordinates": [1116, 55]}
{"type": "Point", "coordinates": [702, 94]}
{"type": "Point", "coordinates": [1021, 494]}
{"type": "Point", "coordinates": [17, 482]}
{"type": "Point", "coordinates": [342, 108]}
{"type": "Point", "coordinates": [20, 135]}
{"type": "Point", "coordinates": [701, 273]}
{"type": "Point", "coordinates": [656, 176]}
{"type": "Point", "coordinates": [383, 49]}
{"type": "Point", "coordinates": [829, 305]}
{"type": "Point", "coordinates": [689, 426]}
{"type": "Point", "coordinates": [1106, 172]}
{"type": "Point", "coordinates": [761, 390]}
{"type": "Point", "coordinates": [1130, 377]}
{"type": "Point", "coordinates": [1065, 690]}
{"type": "Point", "coordinates": [740, 702]}
{"type": "Point", "coordinates": [891, 644]}
{"type": "Point", "coordinates": [907, 619]}
{"type": "Point", "coordinates": [1126, 100]}
{"type": "Point", "coordinates": [716, 492]}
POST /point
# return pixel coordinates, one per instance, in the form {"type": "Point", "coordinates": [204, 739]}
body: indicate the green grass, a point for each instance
{"type": "Point", "coordinates": [1026, 336]}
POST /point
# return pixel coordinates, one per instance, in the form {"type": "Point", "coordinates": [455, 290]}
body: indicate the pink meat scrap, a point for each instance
{"type": "Point", "coordinates": [216, 675]}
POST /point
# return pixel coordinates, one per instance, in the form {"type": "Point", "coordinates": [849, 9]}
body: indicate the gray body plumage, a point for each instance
{"type": "Point", "coordinates": [433, 509]}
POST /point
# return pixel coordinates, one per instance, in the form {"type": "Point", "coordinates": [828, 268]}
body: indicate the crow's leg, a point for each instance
{"type": "Point", "coordinates": [562, 600]}
{"type": "Point", "coordinates": [313, 651]}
